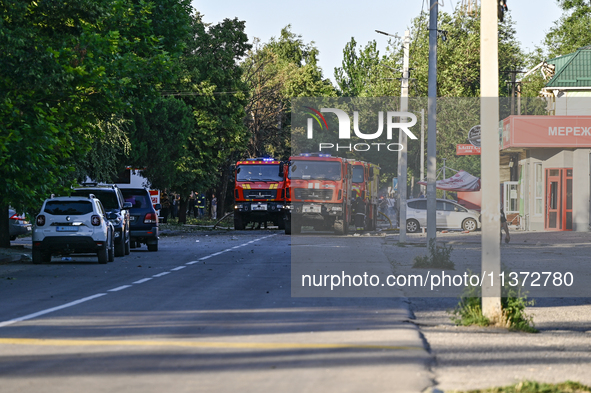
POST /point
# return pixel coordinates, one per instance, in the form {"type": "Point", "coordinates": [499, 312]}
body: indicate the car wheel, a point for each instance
{"type": "Point", "coordinates": [127, 246]}
{"type": "Point", "coordinates": [103, 255]}
{"type": "Point", "coordinates": [153, 247]}
{"type": "Point", "coordinates": [469, 224]}
{"type": "Point", "coordinates": [111, 251]}
{"type": "Point", "coordinates": [412, 226]}
{"type": "Point", "coordinates": [120, 248]}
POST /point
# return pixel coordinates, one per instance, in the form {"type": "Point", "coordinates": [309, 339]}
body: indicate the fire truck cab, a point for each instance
{"type": "Point", "coordinates": [258, 192]}
{"type": "Point", "coordinates": [317, 193]}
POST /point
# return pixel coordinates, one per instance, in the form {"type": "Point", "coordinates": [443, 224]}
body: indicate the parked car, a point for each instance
{"type": "Point", "coordinates": [113, 202]}
{"type": "Point", "coordinates": [71, 225]}
{"type": "Point", "coordinates": [449, 215]}
{"type": "Point", "coordinates": [143, 218]}
{"type": "Point", "coordinates": [17, 224]}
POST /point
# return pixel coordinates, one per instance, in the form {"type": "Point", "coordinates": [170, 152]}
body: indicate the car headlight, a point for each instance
{"type": "Point", "coordinates": [337, 208]}
{"type": "Point", "coordinates": [238, 206]}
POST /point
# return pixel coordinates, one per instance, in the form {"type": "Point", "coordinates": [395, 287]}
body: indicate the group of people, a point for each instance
{"type": "Point", "coordinates": [197, 205]}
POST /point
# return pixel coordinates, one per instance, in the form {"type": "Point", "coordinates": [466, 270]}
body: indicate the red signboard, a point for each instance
{"type": "Point", "coordinates": [546, 131]}
{"type": "Point", "coordinates": [467, 150]}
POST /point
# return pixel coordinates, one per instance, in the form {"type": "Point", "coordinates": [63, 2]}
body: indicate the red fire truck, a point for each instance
{"type": "Point", "coordinates": [365, 179]}
{"type": "Point", "coordinates": [258, 192]}
{"type": "Point", "coordinates": [317, 193]}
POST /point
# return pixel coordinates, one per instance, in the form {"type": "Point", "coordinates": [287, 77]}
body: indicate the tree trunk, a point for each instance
{"type": "Point", "coordinates": [4, 227]}
{"type": "Point", "coordinates": [183, 209]}
{"type": "Point", "coordinates": [223, 191]}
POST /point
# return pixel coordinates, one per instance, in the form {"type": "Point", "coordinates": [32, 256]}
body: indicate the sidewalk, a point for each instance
{"type": "Point", "coordinates": [475, 358]}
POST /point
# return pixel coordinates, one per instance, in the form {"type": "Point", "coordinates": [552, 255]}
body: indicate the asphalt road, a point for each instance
{"type": "Point", "coordinates": [208, 312]}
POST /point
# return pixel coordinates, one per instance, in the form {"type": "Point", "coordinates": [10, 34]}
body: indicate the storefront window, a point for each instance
{"type": "Point", "coordinates": [538, 189]}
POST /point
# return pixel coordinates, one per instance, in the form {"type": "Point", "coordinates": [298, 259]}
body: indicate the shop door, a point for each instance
{"type": "Point", "coordinates": [559, 199]}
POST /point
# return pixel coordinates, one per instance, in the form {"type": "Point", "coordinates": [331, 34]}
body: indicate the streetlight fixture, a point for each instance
{"type": "Point", "coordinates": [402, 140]}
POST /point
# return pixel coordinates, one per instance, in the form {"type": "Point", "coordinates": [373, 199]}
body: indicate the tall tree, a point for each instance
{"type": "Point", "coordinates": [275, 72]}
{"type": "Point", "coordinates": [209, 83]}
{"type": "Point", "coordinates": [65, 66]}
{"type": "Point", "coordinates": [571, 31]}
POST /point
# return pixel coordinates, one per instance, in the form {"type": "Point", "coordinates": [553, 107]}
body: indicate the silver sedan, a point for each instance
{"type": "Point", "coordinates": [449, 215]}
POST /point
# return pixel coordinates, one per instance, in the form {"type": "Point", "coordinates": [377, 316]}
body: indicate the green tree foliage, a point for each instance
{"type": "Point", "coordinates": [159, 141]}
{"type": "Point", "coordinates": [458, 55]}
{"type": "Point", "coordinates": [216, 96]}
{"type": "Point", "coordinates": [276, 72]}
{"type": "Point", "coordinates": [66, 68]}
{"type": "Point", "coordinates": [365, 74]}
{"type": "Point", "coordinates": [571, 31]}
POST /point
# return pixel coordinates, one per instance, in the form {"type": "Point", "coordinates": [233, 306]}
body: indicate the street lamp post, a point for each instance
{"type": "Point", "coordinates": [402, 139]}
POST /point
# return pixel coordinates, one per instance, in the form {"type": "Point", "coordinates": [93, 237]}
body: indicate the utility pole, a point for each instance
{"type": "Point", "coordinates": [444, 192]}
{"type": "Point", "coordinates": [422, 170]}
{"type": "Point", "coordinates": [489, 126]}
{"type": "Point", "coordinates": [402, 154]}
{"type": "Point", "coordinates": [514, 84]}
{"type": "Point", "coordinates": [432, 127]}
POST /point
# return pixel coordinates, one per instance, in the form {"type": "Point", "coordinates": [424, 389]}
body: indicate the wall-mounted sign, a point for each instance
{"type": "Point", "coordinates": [467, 150]}
{"type": "Point", "coordinates": [474, 136]}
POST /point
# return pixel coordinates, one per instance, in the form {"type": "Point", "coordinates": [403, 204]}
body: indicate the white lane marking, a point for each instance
{"type": "Point", "coordinates": [49, 310]}
{"type": "Point", "coordinates": [142, 280]}
{"type": "Point", "coordinates": [119, 288]}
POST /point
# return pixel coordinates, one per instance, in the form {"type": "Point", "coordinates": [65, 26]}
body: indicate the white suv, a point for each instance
{"type": "Point", "coordinates": [68, 225]}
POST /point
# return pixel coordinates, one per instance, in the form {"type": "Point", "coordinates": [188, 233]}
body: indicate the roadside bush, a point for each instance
{"type": "Point", "coordinates": [513, 304]}
{"type": "Point", "coordinates": [536, 387]}
{"type": "Point", "coordinates": [438, 258]}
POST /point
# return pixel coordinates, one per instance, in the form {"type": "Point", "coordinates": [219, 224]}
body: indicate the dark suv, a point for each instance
{"type": "Point", "coordinates": [143, 218]}
{"type": "Point", "coordinates": [117, 212]}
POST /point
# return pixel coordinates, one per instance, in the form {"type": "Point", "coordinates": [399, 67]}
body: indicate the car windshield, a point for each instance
{"type": "Point", "coordinates": [358, 174]}
{"type": "Point", "coordinates": [63, 208]}
{"type": "Point", "coordinates": [263, 172]}
{"type": "Point", "coordinates": [139, 198]}
{"type": "Point", "coordinates": [107, 198]}
{"type": "Point", "coordinates": [315, 170]}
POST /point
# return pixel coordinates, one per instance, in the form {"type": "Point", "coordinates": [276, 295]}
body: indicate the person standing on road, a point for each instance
{"type": "Point", "coordinates": [201, 204]}
{"type": "Point", "coordinates": [214, 207]}
{"type": "Point", "coordinates": [165, 202]}
{"type": "Point", "coordinates": [175, 204]}
{"type": "Point", "coordinates": [195, 205]}
{"type": "Point", "coordinates": [359, 211]}
{"type": "Point", "coordinates": [504, 227]}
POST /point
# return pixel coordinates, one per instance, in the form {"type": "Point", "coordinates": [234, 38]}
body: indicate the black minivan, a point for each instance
{"type": "Point", "coordinates": [143, 220]}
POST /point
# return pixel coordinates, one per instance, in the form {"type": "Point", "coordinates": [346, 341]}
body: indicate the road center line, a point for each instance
{"type": "Point", "coordinates": [203, 344]}
{"type": "Point", "coordinates": [49, 310]}
{"type": "Point", "coordinates": [142, 280]}
{"type": "Point", "coordinates": [119, 288]}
